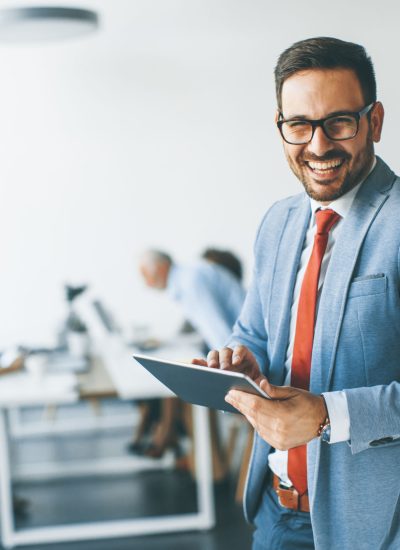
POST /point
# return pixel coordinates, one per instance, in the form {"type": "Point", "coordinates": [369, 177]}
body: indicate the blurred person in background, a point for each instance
{"type": "Point", "coordinates": [209, 291]}
{"type": "Point", "coordinates": [211, 295]}
{"type": "Point", "coordinates": [226, 259]}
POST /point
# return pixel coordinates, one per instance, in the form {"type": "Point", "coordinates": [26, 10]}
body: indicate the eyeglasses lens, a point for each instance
{"type": "Point", "coordinates": [342, 127]}
{"type": "Point", "coordinates": [297, 131]}
{"type": "Point", "coordinates": [339, 127]}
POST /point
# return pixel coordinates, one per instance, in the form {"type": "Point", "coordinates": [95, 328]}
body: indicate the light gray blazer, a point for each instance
{"type": "Point", "coordinates": [354, 486]}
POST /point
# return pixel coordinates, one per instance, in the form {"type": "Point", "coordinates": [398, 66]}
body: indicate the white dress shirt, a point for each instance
{"type": "Point", "coordinates": [336, 401]}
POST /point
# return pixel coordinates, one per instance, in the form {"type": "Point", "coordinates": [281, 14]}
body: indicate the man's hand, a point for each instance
{"type": "Point", "coordinates": [291, 418]}
{"type": "Point", "coordinates": [240, 359]}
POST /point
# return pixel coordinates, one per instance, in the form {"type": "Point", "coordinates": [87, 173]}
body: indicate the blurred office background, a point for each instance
{"type": "Point", "coordinates": [156, 130]}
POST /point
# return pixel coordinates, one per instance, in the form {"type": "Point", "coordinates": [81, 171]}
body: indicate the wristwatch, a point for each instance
{"type": "Point", "coordinates": [324, 431]}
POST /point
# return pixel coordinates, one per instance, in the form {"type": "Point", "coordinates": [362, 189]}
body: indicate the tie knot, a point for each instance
{"type": "Point", "coordinates": [326, 219]}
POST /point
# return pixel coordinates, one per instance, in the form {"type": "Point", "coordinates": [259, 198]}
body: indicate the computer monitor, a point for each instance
{"type": "Point", "coordinates": [105, 318]}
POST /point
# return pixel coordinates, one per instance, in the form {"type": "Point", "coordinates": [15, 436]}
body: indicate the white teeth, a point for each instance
{"type": "Point", "coordinates": [325, 165]}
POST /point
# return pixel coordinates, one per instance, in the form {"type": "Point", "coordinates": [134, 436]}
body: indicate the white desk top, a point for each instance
{"type": "Point", "coordinates": [24, 389]}
{"type": "Point", "coordinates": [130, 379]}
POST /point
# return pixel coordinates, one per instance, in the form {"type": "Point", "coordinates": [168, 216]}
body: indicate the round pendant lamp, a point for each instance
{"type": "Point", "coordinates": [45, 23]}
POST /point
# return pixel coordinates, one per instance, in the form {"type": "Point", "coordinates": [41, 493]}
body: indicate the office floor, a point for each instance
{"type": "Point", "coordinates": [122, 496]}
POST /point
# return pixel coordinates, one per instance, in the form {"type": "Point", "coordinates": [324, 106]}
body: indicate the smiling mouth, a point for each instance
{"type": "Point", "coordinates": [325, 168]}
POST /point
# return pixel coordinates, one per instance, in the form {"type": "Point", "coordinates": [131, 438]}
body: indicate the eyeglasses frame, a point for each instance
{"type": "Point", "coordinates": [321, 121]}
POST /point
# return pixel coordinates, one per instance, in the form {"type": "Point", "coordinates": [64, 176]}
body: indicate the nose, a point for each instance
{"type": "Point", "coordinates": [320, 143]}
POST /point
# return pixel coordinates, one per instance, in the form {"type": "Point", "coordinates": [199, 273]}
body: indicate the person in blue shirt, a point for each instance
{"type": "Point", "coordinates": [211, 296]}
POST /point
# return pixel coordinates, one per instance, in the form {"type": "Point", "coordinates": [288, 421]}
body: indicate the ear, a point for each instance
{"type": "Point", "coordinates": [377, 116]}
{"type": "Point", "coordinates": [277, 112]}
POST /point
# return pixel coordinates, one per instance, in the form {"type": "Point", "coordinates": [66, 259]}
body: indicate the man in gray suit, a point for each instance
{"type": "Point", "coordinates": [320, 328]}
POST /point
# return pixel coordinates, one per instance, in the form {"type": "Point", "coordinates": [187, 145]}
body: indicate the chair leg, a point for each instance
{"type": "Point", "coordinates": [219, 463]}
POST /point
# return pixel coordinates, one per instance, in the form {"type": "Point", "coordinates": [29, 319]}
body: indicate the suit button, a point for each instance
{"type": "Point", "coordinates": [382, 441]}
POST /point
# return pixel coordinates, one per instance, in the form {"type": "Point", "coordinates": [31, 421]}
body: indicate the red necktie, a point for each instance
{"type": "Point", "coordinates": [304, 335]}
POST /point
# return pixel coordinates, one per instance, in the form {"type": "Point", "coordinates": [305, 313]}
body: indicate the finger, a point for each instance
{"type": "Point", "coordinates": [239, 354]}
{"type": "Point", "coordinates": [225, 358]}
{"type": "Point", "coordinates": [262, 431]}
{"type": "Point", "coordinates": [248, 413]}
{"type": "Point", "coordinates": [253, 408]}
{"type": "Point", "coordinates": [213, 359]}
{"type": "Point", "coordinates": [276, 392]}
{"type": "Point", "coordinates": [266, 387]}
{"type": "Point", "coordinates": [244, 361]}
{"type": "Point", "coordinates": [247, 403]}
{"type": "Point", "coordinates": [231, 400]}
{"type": "Point", "coordinates": [199, 362]}
{"type": "Point", "coordinates": [259, 380]}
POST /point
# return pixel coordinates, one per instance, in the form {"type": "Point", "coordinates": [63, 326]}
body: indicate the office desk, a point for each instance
{"type": "Point", "coordinates": [131, 382]}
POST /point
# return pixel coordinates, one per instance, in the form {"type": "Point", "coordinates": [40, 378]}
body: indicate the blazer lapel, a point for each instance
{"type": "Point", "coordinates": [285, 271]}
{"type": "Point", "coordinates": [365, 207]}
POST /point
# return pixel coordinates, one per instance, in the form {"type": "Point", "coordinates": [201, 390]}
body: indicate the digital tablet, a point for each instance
{"type": "Point", "coordinates": [199, 385]}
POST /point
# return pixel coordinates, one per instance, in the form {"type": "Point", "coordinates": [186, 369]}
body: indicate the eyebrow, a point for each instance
{"type": "Point", "coordinates": [334, 113]}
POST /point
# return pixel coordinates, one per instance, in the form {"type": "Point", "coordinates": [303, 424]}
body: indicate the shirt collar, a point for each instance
{"type": "Point", "coordinates": [341, 205]}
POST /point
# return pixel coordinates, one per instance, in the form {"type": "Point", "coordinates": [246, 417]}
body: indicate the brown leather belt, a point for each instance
{"type": "Point", "coordinates": [289, 498]}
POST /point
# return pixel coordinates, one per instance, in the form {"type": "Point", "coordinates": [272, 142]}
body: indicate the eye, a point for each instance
{"type": "Point", "coordinates": [297, 123]}
{"type": "Point", "coordinates": [343, 120]}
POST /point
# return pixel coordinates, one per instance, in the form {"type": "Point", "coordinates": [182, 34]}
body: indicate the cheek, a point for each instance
{"type": "Point", "coordinates": [149, 280]}
{"type": "Point", "coordinates": [293, 154]}
{"type": "Point", "coordinates": [358, 145]}
{"type": "Point", "coordinates": [352, 151]}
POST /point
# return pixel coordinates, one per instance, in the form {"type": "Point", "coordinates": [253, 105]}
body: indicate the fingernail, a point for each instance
{"type": "Point", "coordinates": [236, 357]}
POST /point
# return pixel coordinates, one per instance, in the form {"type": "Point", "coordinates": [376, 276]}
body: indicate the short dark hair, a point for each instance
{"type": "Point", "coordinates": [326, 53]}
{"type": "Point", "coordinates": [226, 259]}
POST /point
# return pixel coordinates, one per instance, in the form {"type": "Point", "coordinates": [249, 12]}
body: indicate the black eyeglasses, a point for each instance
{"type": "Point", "coordinates": [337, 127]}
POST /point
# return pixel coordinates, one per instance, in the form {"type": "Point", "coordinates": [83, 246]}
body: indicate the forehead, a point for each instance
{"type": "Point", "coordinates": [315, 93]}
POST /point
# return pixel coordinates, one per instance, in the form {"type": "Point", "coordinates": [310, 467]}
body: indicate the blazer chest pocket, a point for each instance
{"type": "Point", "coordinates": [368, 285]}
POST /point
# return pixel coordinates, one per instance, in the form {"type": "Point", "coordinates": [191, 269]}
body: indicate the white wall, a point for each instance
{"type": "Point", "coordinates": [156, 131]}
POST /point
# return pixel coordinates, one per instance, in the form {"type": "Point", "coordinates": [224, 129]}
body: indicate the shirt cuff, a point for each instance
{"type": "Point", "coordinates": [339, 417]}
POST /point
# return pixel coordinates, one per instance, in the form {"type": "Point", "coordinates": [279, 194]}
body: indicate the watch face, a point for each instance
{"type": "Point", "coordinates": [326, 434]}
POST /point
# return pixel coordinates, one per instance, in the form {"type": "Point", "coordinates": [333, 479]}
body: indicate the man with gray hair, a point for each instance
{"type": "Point", "coordinates": [210, 295]}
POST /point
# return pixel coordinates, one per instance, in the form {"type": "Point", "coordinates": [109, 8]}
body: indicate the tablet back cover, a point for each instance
{"type": "Point", "coordinates": [197, 385]}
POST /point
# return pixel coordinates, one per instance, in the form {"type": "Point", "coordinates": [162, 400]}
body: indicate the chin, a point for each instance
{"type": "Point", "coordinates": [324, 195]}
{"type": "Point", "coordinates": [329, 191]}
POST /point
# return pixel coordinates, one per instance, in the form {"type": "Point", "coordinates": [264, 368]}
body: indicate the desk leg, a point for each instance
{"type": "Point", "coordinates": [205, 494]}
{"type": "Point", "coordinates": [6, 499]}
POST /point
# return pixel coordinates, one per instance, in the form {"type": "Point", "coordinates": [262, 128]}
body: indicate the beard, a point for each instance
{"type": "Point", "coordinates": [361, 165]}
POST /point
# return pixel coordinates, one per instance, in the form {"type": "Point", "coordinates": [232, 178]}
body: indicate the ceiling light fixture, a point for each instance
{"type": "Point", "coordinates": [39, 24]}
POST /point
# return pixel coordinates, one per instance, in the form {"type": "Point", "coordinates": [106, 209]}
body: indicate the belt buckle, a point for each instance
{"type": "Point", "coordinates": [280, 500]}
{"type": "Point", "coordinates": [288, 498]}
